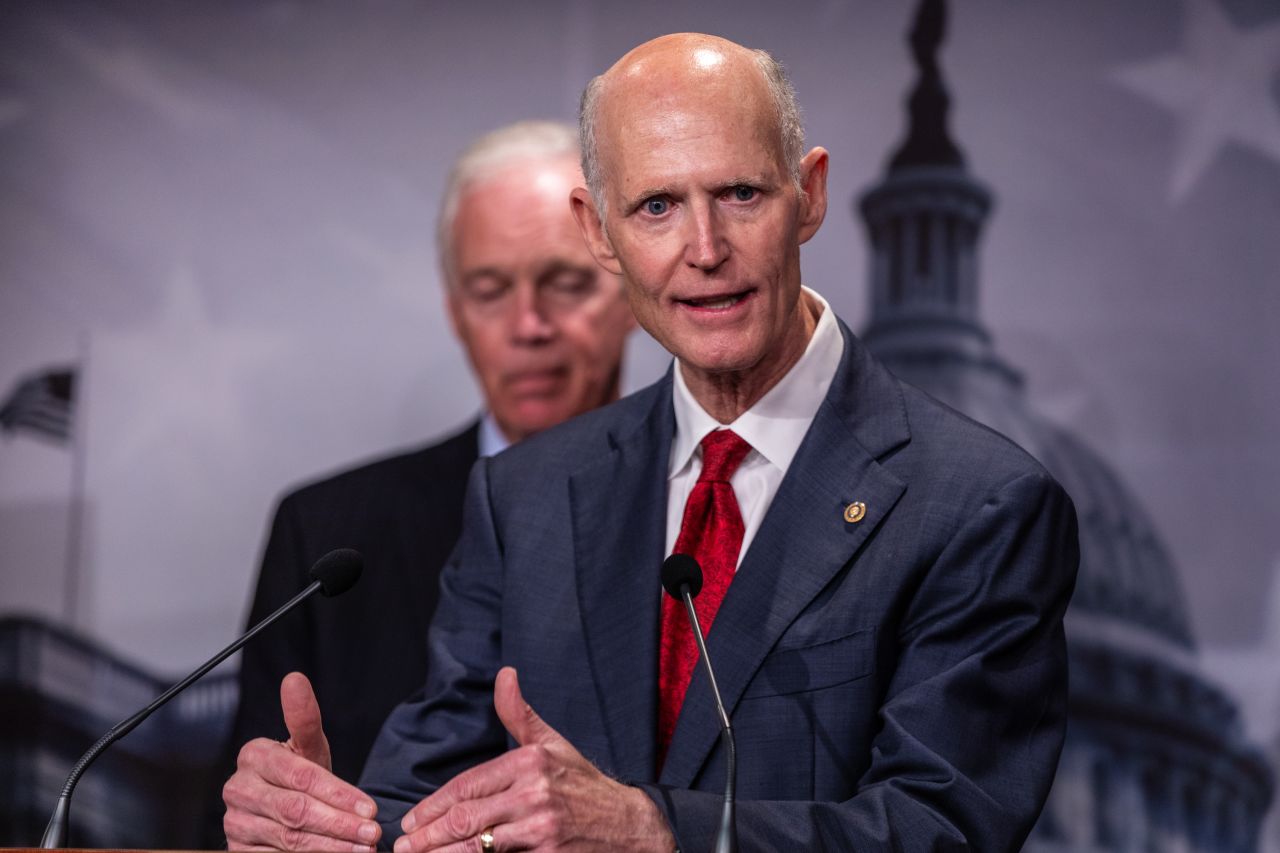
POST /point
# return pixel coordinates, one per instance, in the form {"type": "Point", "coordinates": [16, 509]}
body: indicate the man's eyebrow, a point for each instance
{"type": "Point", "coordinates": [483, 272]}
{"type": "Point", "coordinates": [758, 180]}
{"type": "Point", "coordinates": [561, 265]}
{"type": "Point", "coordinates": [634, 201]}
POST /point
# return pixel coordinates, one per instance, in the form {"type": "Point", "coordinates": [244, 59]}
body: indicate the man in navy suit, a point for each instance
{"type": "Point", "coordinates": [889, 578]}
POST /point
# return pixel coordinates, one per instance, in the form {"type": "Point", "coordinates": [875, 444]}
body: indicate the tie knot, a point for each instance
{"type": "Point", "coordinates": [722, 452]}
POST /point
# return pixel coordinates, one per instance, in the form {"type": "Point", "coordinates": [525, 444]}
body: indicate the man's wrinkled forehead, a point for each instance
{"type": "Point", "coordinates": [671, 86]}
{"type": "Point", "coordinates": [652, 113]}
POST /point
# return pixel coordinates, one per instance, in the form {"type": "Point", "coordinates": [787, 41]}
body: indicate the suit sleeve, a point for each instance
{"type": "Point", "coordinates": [449, 725]}
{"type": "Point", "coordinates": [974, 717]}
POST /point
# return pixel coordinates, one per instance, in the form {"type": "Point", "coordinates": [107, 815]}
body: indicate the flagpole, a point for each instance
{"type": "Point", "coordinates": [75, 516]}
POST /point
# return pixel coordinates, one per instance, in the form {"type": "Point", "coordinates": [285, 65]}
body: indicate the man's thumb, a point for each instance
{"type": "Point", "coordinates": [519, 719]}
{"type": "Point", "coordinates": [302, 719]}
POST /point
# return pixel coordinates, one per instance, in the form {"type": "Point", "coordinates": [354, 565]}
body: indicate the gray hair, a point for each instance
{"type": "Point", "coordinates": [537, 141]}
{"type": "Point", "coordinates": [783, 94]}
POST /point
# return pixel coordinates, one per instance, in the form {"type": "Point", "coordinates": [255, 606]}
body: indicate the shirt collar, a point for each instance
{"type": "Point", "coordinates": [776, 425]}
{"type": "Point", "coordinates": [491, 441]}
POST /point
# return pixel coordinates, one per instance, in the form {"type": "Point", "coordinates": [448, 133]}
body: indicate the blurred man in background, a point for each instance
{"type": "Point", "coordinates": [544, 329]}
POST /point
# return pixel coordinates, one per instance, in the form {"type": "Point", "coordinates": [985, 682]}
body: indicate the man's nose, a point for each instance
{"type": "Point", "coordinates": [705, 245]}
{"type": "Point", "coordinates": [530, 323]}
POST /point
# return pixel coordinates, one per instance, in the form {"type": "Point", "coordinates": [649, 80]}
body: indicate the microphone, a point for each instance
{"type": "Point", "coordinates": [682, 579]}
{"type": "Point", "coordinates": [333, 574]}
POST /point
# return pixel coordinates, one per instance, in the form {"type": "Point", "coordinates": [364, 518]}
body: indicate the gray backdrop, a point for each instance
{"type": "Point", "coordinates": [223, 213]}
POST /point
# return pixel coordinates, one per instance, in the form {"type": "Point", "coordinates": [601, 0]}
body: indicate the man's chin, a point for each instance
{"type": "Point", "coordinates": [719, 362]}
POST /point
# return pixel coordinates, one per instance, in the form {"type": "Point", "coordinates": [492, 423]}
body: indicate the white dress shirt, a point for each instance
{"type": "Point", "coordinates": [490, 439]}
{"type": "Point", "coordinates": [774, 427]}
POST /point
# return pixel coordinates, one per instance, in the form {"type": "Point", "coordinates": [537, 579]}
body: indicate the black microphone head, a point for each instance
{"type": "Point", "coordinates": [338, 571]}
{"type": "Point", "coordinates": [679, 570]}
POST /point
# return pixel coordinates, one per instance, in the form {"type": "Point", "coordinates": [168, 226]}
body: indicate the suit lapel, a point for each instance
{"type": "Point", "coordinates": [618, 505]}
{"type": "Point", "coordinates": [803, 542]}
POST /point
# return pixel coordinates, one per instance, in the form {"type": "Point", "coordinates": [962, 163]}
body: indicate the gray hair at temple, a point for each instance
{"type": "Point", "coordinates": [790, 125]}
{"type": "Point", "coordinates": [535, 140]}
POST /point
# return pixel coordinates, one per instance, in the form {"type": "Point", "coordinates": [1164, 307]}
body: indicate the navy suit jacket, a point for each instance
{"type": "Point", "coordinates": [895, 683]}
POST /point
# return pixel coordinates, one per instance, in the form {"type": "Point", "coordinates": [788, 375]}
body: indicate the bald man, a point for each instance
{"type": "Point", "coordinates": [884, 579]}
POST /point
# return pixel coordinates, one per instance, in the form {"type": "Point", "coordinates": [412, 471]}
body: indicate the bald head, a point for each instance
{"type": "Point", "coordinates": [688, 72]}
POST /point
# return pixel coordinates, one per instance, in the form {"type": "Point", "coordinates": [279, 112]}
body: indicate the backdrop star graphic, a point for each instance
{"type": "Point", "coordinates": [1219, 86]}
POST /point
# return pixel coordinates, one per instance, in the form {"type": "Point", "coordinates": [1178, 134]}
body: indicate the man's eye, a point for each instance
{"type": "Point", "coordinates": [741, 193]}
{"type": "Point", "coordinates": [571, 283]}
{"type": "Point", "coordinates": [484, 289]}
{"type": "Point", "coordinates": [656, 206]}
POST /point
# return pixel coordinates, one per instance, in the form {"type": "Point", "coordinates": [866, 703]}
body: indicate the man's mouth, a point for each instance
{"type": "Point", "coordinates": [716, 302]}
{"type": "Point", "coordinates": [536, 382]}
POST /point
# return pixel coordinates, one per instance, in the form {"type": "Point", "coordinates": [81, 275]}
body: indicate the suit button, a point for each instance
{"type": "Point", "coordinates": [854, 512]}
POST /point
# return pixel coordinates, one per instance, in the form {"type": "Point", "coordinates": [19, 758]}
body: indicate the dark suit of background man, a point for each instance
{"type": "Point", "coordinates": [890, 645]}
{"type": "Point", "coordinates": [544, 328]}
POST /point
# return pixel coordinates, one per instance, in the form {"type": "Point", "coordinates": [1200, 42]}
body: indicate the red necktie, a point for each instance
{"type": "Point", "coordinates": [711, 533]}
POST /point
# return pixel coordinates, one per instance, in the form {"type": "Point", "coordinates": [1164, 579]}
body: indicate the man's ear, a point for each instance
{"type": "Point", "coordinates": [588, 219]}
{"type": "Point", "coordinates": [813, 180]}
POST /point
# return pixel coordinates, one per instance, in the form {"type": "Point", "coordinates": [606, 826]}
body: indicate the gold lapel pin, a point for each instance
{"type": "Point", "coordinates": [854, 512]}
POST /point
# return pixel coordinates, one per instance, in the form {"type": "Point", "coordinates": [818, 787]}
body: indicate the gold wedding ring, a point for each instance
{"type": "Point", "coordinates": [486, 840]}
